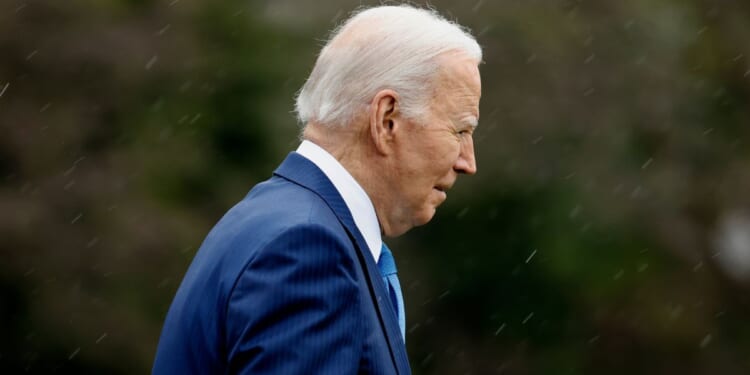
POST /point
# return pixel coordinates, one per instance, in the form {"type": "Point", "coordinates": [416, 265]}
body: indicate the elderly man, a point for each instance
{"type": "Point", "coordinates": [295, 279]}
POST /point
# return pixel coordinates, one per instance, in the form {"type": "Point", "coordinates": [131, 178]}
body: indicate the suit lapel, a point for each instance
{"type": "Point", "coordinates": [302, 171]}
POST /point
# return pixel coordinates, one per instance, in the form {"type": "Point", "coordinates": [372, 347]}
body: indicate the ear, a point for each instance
{"type": "Point", "coordinates": [384, 119]}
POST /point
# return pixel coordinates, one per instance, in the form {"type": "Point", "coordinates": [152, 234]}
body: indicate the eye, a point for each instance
{"type": "Point", "coordinates": [464, 132]}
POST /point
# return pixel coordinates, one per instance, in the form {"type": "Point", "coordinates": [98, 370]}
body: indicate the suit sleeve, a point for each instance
{"type": "Point", "coordinates": [295, 308]}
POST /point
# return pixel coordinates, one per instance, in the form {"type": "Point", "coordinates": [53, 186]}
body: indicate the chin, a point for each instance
{"type": "Point", "coordinates": [425, 217]}
{"type": "Point", "coordinates": [419, 219]}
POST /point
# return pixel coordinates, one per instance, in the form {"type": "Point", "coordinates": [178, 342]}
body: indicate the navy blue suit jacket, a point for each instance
{"type": "Point", "coordinates": [283, 284]}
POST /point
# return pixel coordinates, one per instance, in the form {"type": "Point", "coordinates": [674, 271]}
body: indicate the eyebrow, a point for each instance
{"type": "Point", "coordinates": [471, 120]}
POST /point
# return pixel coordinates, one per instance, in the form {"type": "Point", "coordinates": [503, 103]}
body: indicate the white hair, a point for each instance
{"type": "Point", "coordinates": [386, 47]}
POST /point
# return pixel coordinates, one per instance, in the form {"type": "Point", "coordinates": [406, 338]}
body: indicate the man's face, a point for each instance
{"type": "Point", "coordinates": [440, 146]}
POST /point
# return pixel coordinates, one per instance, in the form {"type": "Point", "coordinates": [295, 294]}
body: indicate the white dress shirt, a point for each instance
{"type": "Point", "coordinates": [356, 199]}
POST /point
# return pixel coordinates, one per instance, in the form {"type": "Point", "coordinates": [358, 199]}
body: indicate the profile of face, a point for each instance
{"type": "Point", "coordinates": [432, 151]}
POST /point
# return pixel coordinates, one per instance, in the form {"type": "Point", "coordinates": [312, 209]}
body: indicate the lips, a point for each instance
{"type": "Point", "coordinates": [441, 190]}
{"type": "Point", "coordinates": [443, 187]}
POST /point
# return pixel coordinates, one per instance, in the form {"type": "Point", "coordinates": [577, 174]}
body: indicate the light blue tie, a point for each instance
{"type": "Point", "coordinates": [387, 266]}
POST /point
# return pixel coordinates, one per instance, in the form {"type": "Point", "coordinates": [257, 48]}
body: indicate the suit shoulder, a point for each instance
{"type": "Point", "coordinates": [279, 202]}
{"type": "Point", "coordinates": [270, 210]}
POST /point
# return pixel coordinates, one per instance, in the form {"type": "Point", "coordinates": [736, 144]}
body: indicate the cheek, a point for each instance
{"type": "Point", "coordinates": [447, 156]}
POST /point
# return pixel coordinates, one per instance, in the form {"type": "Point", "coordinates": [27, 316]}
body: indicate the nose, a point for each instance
{"type": "Point", "coordinates": [466, 163]}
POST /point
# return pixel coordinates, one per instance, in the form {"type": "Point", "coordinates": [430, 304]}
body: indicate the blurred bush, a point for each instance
{"type": "Point", "coordinates": [607, 229]}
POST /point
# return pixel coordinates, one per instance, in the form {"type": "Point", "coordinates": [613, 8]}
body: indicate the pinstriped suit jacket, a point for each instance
{"type": "Point", "coordinates": [283, 284]}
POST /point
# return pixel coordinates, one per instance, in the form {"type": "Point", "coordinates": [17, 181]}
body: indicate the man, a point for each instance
{"type": "Point", "coordinates": [295, 279]}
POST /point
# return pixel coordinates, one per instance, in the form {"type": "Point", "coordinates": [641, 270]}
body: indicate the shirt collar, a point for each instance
{"type": "Point", "coordinates": [354, 196]}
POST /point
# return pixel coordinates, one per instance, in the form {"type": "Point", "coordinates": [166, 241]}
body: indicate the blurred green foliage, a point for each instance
{"type": "Point", "coordinates": [613, 151]}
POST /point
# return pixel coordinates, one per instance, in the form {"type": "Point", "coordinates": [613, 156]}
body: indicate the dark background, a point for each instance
{"type": "Point", "coordinates": [607, 231]}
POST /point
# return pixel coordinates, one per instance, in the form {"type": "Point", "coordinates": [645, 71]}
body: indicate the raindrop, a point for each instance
{"type": "Point", "coordinates": [502, 327]}
{"type": "Point", "coordinates": [585, 228]}
{"type": "Point", "coordinates": [80, 215]}
{"type": "Point", "coordinates": [4, 88]}
{"type": "Point", "coordinates": [484, 30]}
{"type": "Point", "coordinates": [531, 256]}
{"type": "Point", "coordinates": [73, 168]}
{"type": "Point", "coordinates": [462, 213]}
{"type": "Point", "coordinates": [676, 312]}
{"type": "Point", "coordinates": [706, 340]}
{"type": "Point", "coordinates": [158, 104]}
{"type": "Point", "coordinates": [151, 62]}
{"type": "Point", "coordinates": [101, 338]}
{"type": "Point", "coordinates": [476, 7]}
{"type": "Point", "coordinates": [75, 352]}
{"type": "Point", "coordinates": [618, 275]}
{"type": "Point", "coordinates": [647, 163]}
{"type": "Point", "coordinates": [92, 243]}
{"type": "Point", "coordinates": [163, 30]}
{"type": "Point", "coordinates": [574, 212]}
{"type": "Point", "coordinates": [636, 192]}
{"type": "Point", "coordinates": [527, 318]}
{"type": "Point", "coordinates": [195, 118]}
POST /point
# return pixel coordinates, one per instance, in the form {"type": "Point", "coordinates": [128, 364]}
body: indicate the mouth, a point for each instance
{"type": "Point", "coordinates": [441, 189]}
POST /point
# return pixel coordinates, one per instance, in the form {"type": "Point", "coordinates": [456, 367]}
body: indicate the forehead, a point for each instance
{"type": "Point", "coordinates": [463, 73]}
{"type": "Point", "coordinates": [458, 86]}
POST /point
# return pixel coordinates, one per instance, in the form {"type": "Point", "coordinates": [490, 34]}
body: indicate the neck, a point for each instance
{"type": "Point", "coordinates": [354, 150]}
